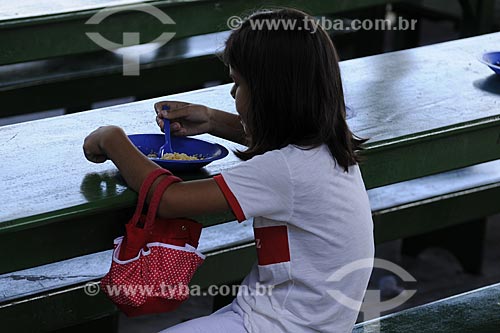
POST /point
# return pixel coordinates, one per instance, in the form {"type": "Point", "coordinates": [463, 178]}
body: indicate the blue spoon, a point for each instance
{"type": "Point", "coordinates": [167, 147]}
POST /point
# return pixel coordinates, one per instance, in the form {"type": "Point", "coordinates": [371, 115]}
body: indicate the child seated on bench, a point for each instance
{"type": "Point", "coordinates": [300, 179]}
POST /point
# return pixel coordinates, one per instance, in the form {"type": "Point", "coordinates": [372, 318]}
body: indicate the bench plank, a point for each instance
{"type": "Point", "coordinates": [434, 186]}
{"type": "Point", "coordinates": [435, 202]}
{"type": "Point", "coordinates": [56, 310]}
{"type": "Point", "coordinates": [94, 266]}
{"type": "Point", "coordinates": [40, 292]}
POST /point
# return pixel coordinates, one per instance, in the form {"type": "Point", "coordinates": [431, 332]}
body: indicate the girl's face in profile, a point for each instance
{"type": "Point", "coordinates": [241, 95]}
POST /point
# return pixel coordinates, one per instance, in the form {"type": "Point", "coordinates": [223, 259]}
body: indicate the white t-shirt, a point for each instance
{"type": "Point", "coordinates": [310, 219]}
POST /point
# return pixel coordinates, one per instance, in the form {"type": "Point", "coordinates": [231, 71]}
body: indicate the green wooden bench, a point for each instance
{"type": "Point", "coordinates": [30, 298]}
{"type": "Point", "coordinates": [400, 210]}
{"type": "Point", "coordinates": [75, 82]}
{"type": "Point", "coordinates": [473, 311]}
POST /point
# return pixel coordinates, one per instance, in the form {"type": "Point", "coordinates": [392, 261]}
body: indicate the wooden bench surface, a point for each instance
{"type": "Point", "coordinates": [473, 311]}
{"type": "Point", "coordinates": [417, 125]}
{"type": "Point", "coordinates": [23, 283]}
{"type": "Point", "coordinates": [426, 188]}
{"type": "Point", "coordinates": [40, 292]}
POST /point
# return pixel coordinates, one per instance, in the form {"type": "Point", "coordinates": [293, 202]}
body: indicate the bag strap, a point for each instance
{"type": "Point", "coordinates": [156, 199]}
{"type": "Point", "coordinates": [144, 190]}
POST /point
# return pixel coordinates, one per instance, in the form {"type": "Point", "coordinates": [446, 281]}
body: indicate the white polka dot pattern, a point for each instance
{"type": "Point", "coordinates": [160, 272]}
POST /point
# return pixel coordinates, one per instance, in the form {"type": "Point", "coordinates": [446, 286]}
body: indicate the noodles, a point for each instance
{"type": "Point", "coordinates": [175, 156]}
{"type": "Point", "coordinates": [179, 156]}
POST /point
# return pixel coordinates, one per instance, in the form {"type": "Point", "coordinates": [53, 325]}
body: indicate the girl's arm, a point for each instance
{"type": "Point", "coordinates": [181, 199]}
{"type": "Point", "coordinates": [191, 119]}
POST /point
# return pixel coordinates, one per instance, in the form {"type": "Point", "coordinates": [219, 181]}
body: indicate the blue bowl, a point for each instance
{"type": "Point", "coordinates": [492, 60]}
{"type": "Point", "coordinates": [151, 143]}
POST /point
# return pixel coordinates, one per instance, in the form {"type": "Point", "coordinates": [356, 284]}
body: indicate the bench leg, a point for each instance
{"type": "Point", "coordinates": [465, 241]}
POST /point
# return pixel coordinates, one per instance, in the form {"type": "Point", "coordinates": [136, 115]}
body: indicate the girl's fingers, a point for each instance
{"type": "Point", "coordinates": [171, 105]}
{"type": "Point", "coordinates": [175, 126]}
{"type": "Point", "coordinates": [178, 113]}
{"type": "Point", "coordinates": [159, 122]}
{"type": "Point", "coordinates": [97, 158]}
{"type": "Point", "coordinates": [179, 132]}
{"type": "Point", "coordinates": [177, 129]}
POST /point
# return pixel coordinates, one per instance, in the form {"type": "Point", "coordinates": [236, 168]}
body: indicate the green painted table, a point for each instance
{"type": "Point", "coordinates": [426, 110]}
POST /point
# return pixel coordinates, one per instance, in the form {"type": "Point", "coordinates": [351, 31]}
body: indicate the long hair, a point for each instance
{"type": "Point", "coordinates": [293, 76]}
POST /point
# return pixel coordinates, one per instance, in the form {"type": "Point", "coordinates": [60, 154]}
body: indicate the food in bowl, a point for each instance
{"type": "Point", "coordinates": [179, 157]}
{"type": "Point", "coordinates": [176, 156]}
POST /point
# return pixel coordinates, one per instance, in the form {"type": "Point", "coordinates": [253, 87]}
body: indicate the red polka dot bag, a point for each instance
{"type": "Point", "coordinates": [155, 260]}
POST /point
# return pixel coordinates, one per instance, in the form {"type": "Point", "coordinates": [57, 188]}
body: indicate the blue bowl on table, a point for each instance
{"type": "Point", "coordinates": [206, 151]}
{"type": "Point", "coordinates": [492, 60]}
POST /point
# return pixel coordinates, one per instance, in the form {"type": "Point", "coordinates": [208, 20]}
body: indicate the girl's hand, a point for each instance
{"type": "Point", "coordinates": [185, 118]}
{"type": "Point", "coordinates": [93, 145]}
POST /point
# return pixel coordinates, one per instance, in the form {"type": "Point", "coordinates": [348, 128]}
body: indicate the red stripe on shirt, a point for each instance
{"type": "Point", "coordinates": [272, 244]}
{"type": "Point", "coordinates": [231, 199]}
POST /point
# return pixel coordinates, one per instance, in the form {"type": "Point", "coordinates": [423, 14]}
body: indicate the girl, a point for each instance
{"type": "Point", "coordinates": [299, 180]}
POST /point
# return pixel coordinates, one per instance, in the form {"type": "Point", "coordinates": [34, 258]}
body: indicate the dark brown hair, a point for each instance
{"type": "Point", "coordinates": [296, 94]}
